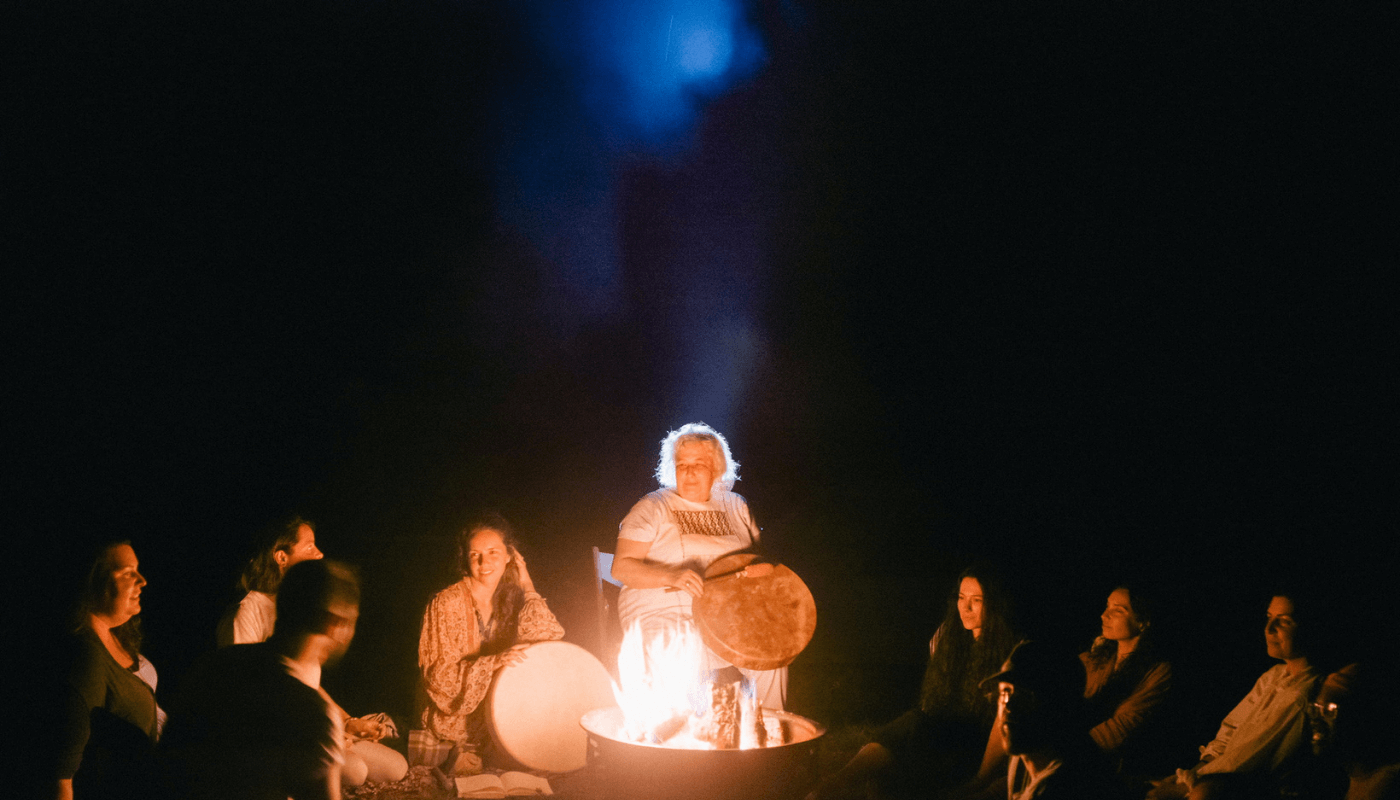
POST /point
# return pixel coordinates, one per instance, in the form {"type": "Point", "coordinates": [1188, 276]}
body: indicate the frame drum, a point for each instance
{"type": "Point", "coordinates": [755, 622]}
{"type": "Point", "coordinates": [534, 707]}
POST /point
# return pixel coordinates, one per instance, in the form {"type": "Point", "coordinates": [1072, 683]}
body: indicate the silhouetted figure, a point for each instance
{"type": "Point", "coordinates": [252, 721]}
{"type": "Point", "coordinates": [1353, 722]}
{"type": "Point", "coordinates": [1257, 738]}
{"type": "Point", "coordinates": [1127, 682]}
{"type": "Point", "coordinates": [1043, 729]}
{"type": "Point", "coordinates": [941, 743]}
{"type": "Point", "coordinates": [111, 719]}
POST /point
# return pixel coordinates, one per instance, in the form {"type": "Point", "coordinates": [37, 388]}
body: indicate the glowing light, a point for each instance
{"type": "Point", "coordinates": [705, 51]}
{"type": "Point", "coordinates": [656, 678]}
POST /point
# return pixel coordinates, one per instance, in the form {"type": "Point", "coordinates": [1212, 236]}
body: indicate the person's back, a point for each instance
{"type": "Point", "coordinates": [244, 727]}
{"type": "Point", "coordinates": [252, 721]}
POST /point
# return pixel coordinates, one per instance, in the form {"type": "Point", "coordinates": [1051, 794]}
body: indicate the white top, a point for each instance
{"type": "Point", "coordinates": [250, 621]}
{"type": "Point", "coordinates": [1264, 729]}
{"type": "Point", "coordinates": [682, 533]}
{"type": "Point", "coordinates": [1020, 784]}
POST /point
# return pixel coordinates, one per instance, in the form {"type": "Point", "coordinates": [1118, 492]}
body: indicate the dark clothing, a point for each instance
{"type": "Point", "coordinates": [109, 724]}
{"type": "Point", "coordinates": [1081, 772]}
{"type": "Point", "coordinates": [939, 744]}
{"type": "Point", "coordinates": [243, 727]}
{"type": "Point", "coordinates": [1123, 704]}
{"type": "Point", "coordinates": [932, 753]}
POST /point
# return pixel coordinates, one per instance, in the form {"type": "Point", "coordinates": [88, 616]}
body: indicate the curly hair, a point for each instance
{"type": "Point", "coordinates": [262, 573]}
{"type": "Point", "coordinates": [697, 432]}
{"type": "Point", "coordinates": [509, 597]}
{"type": "Point", "coordinates": [961, 660]}
{"type": "Point", "coordinates": [98, 589]}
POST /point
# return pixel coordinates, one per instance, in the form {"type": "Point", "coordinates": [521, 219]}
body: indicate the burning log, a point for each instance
{"type": "Point", "coordinates": [722, 729]}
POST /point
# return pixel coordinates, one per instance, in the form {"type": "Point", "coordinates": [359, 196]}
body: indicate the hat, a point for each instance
{"type": "Point", "coordinates": [1049, 671]}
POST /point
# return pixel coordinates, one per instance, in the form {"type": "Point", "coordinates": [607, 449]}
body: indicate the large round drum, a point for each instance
{"type": "Point", "coordinates": [534, 706]}
{"type": "Point", "coordinates": [754, 622]}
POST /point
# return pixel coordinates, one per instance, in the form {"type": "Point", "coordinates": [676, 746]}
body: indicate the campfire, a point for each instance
{"type": "Point", "coordinates": [667, 699]}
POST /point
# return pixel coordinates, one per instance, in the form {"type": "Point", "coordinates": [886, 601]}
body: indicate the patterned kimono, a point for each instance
{"type": "Point", "coordinates": [455, 677]}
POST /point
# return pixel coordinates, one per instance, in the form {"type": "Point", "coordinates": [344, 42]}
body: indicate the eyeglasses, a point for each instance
{"type": "Point", "coordinates": [1327, 712]}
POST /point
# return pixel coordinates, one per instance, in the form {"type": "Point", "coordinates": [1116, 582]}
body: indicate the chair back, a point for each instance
{"type": "Point", "coordinates": [605, 592]}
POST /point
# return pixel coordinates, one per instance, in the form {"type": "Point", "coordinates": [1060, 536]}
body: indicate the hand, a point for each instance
{"type": "Point", "coordinates": [513, 656]}
{"type": "Point", "coordinates": [688, 580]}
{"type": "Point", "coordinates": [1167, 789]}
{"type": "Point", "coordinates": [358, 729]}
{"type": "Point", "coordinates": [523, 574]}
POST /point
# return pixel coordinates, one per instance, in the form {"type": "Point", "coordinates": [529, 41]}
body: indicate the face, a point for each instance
{"type": "Point", "coordinates": [1280, 630]}
{"type": "Point", "coordinates": [1322, 720]}
{"type": "Point", "coordinates": [1119, 621]}
{"type": "Point", "coordinates": [970, 605]}
{"type": "Point", "coordinates": [1019, 720]}
{"type": "Point", "coordinates": [303, 550]}
{"type": "Point", "coordinates": [695, 471]}
{"type": "Point", "coordinates": [487, 556]}
{"type": "Point", "coordinates": [343, 629]}
{"type": "Point", "coordinates": [126, 581]}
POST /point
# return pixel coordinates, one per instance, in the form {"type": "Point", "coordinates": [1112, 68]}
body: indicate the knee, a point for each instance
{"type": "Point", "coordinates": [382, 764]}
{"type": "Point", "coordinates": [354, 771]}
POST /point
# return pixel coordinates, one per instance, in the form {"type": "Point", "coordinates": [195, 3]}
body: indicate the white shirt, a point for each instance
{"type": "Point", "coordinates": [249, 622]}
{"type": "Point", "coordinates": [682, 533]}
{"type": "Point", "coordinates": [1264, 729]}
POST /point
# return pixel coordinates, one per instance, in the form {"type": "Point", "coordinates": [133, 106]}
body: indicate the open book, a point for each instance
{"type": "Point", "coordinates": [507, 784]}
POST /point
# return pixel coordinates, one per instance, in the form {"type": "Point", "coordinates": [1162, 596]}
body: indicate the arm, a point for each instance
{"type": "Point", "coordinates": [1149, 693]}
{"type": "Point", "coordinates": [537, 622]}
{"type": "Point", "coordinates": [1264, 741]}
{"type": "Point", "coordinates": [1233, 720]}
{"type": "Point", "coordinates": [630, 565]}
{"type": "Point", "coordinates": [252, 623]}
{"type": "Point", "coordinates": [455, 677]}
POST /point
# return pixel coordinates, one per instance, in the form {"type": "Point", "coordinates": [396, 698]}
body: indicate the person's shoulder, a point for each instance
{"type": "Point", "coordinates": [731, 497]}
{"type": "Point", "coordinates": [257, 599]}
{"type": "Point", "coordinates": [452, 593]}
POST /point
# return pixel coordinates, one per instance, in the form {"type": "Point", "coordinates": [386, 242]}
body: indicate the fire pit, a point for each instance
{"type": "Point", "coordinates": [641, 771]}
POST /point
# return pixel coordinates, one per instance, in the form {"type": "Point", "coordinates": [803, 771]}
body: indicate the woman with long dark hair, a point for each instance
{"type": "Point", "coordinates": [253, 617]}
{"type": "Point", "coordinates": [476, 626]}
{"type": "Point", "coordinates": [940, 744]}
{"type": "Point", "coordinates": [111, 720]}
{"type": "Point", "coordinates": [1127, 680]}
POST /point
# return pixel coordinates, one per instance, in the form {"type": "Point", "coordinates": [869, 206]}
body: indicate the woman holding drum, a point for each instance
{"type": "Point", "coordinates": [671, 535]}
{"type": "Point", "coordinates": [476, 626]}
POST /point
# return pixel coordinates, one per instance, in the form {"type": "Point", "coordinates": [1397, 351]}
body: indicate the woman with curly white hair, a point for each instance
{"type": "Point", "coordinates": [672, 534]}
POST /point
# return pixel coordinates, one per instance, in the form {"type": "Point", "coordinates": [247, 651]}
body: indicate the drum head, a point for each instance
{"type": "Point", "coordinates": [534, 707]}
{"type": "Point", "coordinates": [755, 623]}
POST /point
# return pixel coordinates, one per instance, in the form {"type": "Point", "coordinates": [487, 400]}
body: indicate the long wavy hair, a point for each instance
{"type": "Point", "coordinates": [262, 573]}
{"type": "Point", "coordinates": [960, 660]}
{"type": "Point", "coordinates": [98, 589]}
{"type": "Point", "coordinates": [508, 598]}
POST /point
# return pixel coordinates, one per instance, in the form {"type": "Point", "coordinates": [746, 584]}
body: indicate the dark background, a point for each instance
{"type": "Point", "coordinates": [1089, 292]}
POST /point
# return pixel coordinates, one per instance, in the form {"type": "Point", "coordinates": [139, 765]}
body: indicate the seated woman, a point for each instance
{"type": "Point", "coordinates": [1126, 682]}
{"type": "Point", "coordinates": [253, 618]}
{"type": "Point", "coordinates": [940, 744]}
{"type": "Point", "coordinates": [111, 717]}
{"type": "Point", "coordinates": [474, 627]}
{"type": "Point", "coordinates": [1258, 738]}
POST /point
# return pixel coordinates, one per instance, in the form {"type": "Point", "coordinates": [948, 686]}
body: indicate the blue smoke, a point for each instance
{"type": "Point", "coordinates": [610, 84]}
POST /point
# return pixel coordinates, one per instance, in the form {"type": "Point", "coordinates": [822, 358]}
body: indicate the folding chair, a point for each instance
{"type": "Point", "coordinates": [605, 591]}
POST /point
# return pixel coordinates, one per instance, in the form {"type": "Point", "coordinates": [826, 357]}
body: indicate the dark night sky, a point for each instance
{"type": "Point", "coordinates": [1089, 291]}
